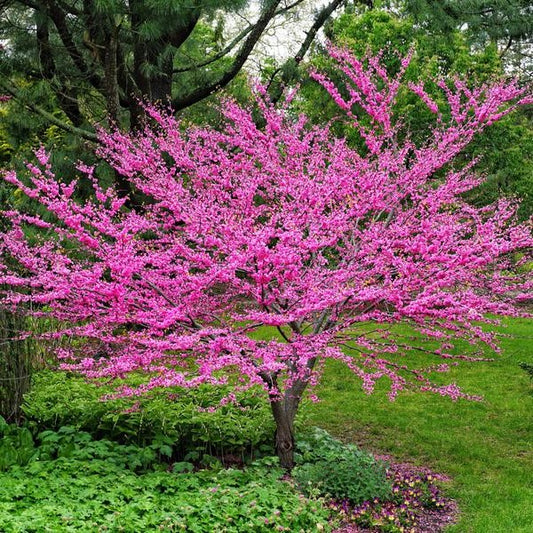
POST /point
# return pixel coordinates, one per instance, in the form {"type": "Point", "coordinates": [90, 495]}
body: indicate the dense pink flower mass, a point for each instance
{"type": "Point", "coordinates": [282, 225]}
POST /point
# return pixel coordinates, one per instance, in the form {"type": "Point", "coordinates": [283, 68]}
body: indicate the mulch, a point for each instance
{"type": "Point", "coordinates": [427, 520]}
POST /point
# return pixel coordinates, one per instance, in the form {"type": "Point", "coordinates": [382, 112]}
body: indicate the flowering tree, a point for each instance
{"type": "Point", "coordinates": [280, 226]}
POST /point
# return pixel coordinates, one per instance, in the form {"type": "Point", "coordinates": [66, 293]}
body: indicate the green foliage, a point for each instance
{"type": "Point", "coordinates": [506, 148]}
{"type": "Point", "coordinates": [71, 494]}
{"type": "Point", "coordinates": [206, 39]}
{"type": "Point", "coordinates": [57, 56]}
{"type": "Point", "coordinates": [328, 467]}
{"type": "Point", "coordinates": [16, 445]}
{"type": "Point", "coordinates": [6, 149]}
{"type": "Point", "coordinates": [507, 161]}
{"type": "Point", "coordinates": [57, 480]}
{"type": "Point", "coordinates": [19, 447]}
{"type": "Point", "coordinates": [77, 445]}
{"type": "Point", "coordinates": [178, 417]}
{"type": "Point", "coordinates": [483, 19]}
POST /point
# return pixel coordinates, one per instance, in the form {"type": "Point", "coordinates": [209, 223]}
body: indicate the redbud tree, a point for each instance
{"type": "Point", "coordinates": [278, 226]}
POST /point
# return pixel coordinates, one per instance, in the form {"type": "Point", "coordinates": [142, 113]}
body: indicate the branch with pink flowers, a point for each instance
{"type": "Point", "coordinates": [283, 227]}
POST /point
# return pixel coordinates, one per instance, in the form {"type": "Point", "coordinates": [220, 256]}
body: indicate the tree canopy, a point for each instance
{"type": "Point", "coordinates": [264, 251]}
{"type": "Point", "coordinates": [98, 59]}
{"type": "Point", "coordinates": [505, 23]}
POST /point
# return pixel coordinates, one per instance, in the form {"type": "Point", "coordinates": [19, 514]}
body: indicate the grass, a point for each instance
{"type": "Point", "coordinates": [485, 447]}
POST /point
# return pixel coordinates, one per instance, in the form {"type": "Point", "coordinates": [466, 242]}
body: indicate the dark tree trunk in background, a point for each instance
{"type": "Point", "coordinates": [15, 365]}
{"type": "Point", "coordinates": [111, 77]}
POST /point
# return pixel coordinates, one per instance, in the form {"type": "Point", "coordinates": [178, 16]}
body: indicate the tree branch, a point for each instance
{"type": "Point", "coordinates": [202, 92]}
{"type": "Point", "coordinates": [288, 74]}
{"type": "Point", "coordinates": [11, 90]}
{"type": "Point", "coordinates": [322, 17]}
{"type": "Point", "coordinates": [59, 19]}
{"type": "Point", "coordinates": [227, 49]}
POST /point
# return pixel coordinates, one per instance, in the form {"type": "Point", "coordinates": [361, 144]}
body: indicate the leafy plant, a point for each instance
{"type": "Point", "coordinates": [16, 445]}
{"type": "Point", "coordinates": [175, 422]}
{"type": "Point", "coordinates": [70, 494]}
{"type": "Point", "coordinates": [328, 467]}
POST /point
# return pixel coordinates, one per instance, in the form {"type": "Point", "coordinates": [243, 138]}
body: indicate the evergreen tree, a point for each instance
{"type": "Point", "coordinates": [96, 59]}
{"type": "Point", "coordinates": [505, 23]}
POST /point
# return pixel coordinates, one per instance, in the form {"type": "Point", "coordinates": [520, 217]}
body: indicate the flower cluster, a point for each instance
{"type": "Point", "coordinates": [417, 505]}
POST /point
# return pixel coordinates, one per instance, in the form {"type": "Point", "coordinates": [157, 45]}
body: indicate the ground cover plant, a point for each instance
{"type": "Point", "coordinates": [281, 225]}
{"type": "Point", "coordinates": [66, 480]}
{"type": "Point", "coordinates": [69, 494]}
{"type": "Point", "coordinates": [342, 472]}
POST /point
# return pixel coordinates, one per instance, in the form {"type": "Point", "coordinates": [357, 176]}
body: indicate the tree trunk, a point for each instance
{"type": "Point", "coordinates": [111, 75]}
{"type": "Point", "coordinates": [284, 411]}
{"type": "Point", "coordinates": [161, 83]}
{"type": "Point", "coordinates": [16, 364]}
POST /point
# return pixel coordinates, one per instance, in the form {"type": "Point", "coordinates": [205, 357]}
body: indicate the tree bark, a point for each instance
{"type": "Point", "coordinates": [284, 417]}
{"type": "Point", "coordinates": [267, 14]}
{"type": "Point", "coordinates": [160, 84]}
{"type": "Point", "coordinates": [59, 18]}
{"type": "Point", "coordinates": [46, 58]}
{"type": "Point", "coordinates": [111, 75]}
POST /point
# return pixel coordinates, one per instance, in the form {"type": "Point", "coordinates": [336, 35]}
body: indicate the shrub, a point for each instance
{"type": "Point", "coordinates": [328, 467]}
{"type": "Point", "coordinates": [185, 423]}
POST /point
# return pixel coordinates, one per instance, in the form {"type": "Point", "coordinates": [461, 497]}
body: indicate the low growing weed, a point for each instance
{"type": "Point", "coordinates": [72, 495]}
{"type": "Point", "coordinates": [65, 480]}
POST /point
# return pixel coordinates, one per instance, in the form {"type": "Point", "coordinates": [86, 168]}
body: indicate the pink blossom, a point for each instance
{"type": "Point", "coordinates": [282, 226]}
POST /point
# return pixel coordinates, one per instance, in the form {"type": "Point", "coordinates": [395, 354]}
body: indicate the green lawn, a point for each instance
{"type": "Point", "coordinates": [485, 447]}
